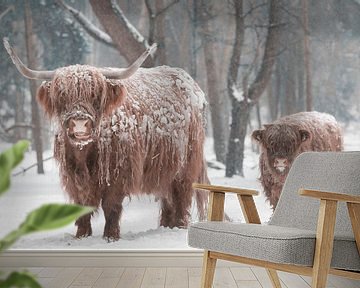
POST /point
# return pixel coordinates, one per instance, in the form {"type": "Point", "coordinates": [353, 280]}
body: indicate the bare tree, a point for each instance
{"type": "Point", "coordinates": [238, 104]}
{"type": "Point", "coordinates": [35, 116]}
{"type": "Point", "coordinates": [216, 101]}
{"type": "Point", "coordinates": [120, 33]}
{"type": "Point", "coordinates": [157, 27]}
{"type": "Point", "coordinates": [309, 100]}
{"type": "Point", "coordinates": [243, 101]}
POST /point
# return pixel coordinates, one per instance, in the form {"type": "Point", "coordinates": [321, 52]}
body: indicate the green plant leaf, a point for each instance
{"type": "Point", "coordinates": [19, 279]}
{"type": "Point", "coordinates": [10, 239]}
{"type": "Point", "coordinates": [51, 216]}
{"type": "Point", "coordinates": [47, 217]}
{"type": "Point", "coordinates": [9, 159]}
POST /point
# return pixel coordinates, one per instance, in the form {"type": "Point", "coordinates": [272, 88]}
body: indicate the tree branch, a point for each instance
{"type": "Point", "coordinates": [149, 8]}
{"type": "Point", "coordinates": [31, 166]}
{"type": "Point", "coordinates": [7, 10]}
{"type": "Point", "coordinates": [136, 34]}
{"type": "Point", "coordinates": [127, 40]}
{"type": "Point", "coordinates": [19, 125]}
{"type": "Point", "coordinates": [89, 27]}
{"type": "Point", "coordinates": [253, 8]}
{"type": "Point", "coordinates": [166, 8]}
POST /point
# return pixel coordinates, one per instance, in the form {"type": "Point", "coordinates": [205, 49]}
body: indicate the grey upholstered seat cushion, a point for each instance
{"type": "Point", "coordinates": [270, 243]}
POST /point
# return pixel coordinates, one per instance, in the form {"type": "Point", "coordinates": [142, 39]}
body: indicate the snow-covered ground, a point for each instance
{"type": "Point", "coordinates": [139, 224]}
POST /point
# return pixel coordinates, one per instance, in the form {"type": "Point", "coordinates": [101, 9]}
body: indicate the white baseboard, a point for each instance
{"type": "Point", "coordinates": [103, 258]}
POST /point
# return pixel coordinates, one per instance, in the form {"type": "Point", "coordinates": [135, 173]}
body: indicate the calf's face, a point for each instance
{"type": "Point", "coordinates": [281, 144]}
{"type": "Point", "coordinates": [78, 96]}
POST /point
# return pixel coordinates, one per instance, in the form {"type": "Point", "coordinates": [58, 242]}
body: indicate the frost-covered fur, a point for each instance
{"type": "Point", "coordinates": [284, 139]}
{"type": "Point", "coordinates": [147, 137]}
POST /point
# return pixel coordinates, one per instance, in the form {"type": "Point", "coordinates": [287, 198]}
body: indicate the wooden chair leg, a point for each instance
{"type": "Point", "coordinates": [354, 212]}
{"type": "Point", "coordinates": [324, 243]}
{"type": "Point", "coordinates": [274, 278]}
{"type": "Point", "coordinates": [208, 270]}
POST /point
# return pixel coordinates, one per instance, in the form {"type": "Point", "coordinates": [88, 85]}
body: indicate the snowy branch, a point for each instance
{"type": "Point", "coordinates": [19, 125]}
{"type": "Point", "coordinates": [89, 27]}
{"type": "Point", "coordinates": [136, 34]}
{"type": "Point", "coordinates": [166, 7]}
{"type": "Point", "coordinates": [23, 170]}
{"type": "Point", "coordinates": [7, 10]}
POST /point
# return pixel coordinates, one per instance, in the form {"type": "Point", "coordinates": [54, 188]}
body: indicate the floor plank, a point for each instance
{"type": "Point", "coordinates": [87, 277]}
{"type": "Point", "coordinates": [194, 279]}
{"type": "Point", "coordinates": [108, 282]}
{"type": "Point", "coordinates": [132, 277]}
{"type": "Point", "coordinates": [243, 273]}
{"type": "Point", "coordinates": [170, 277]}
{"type": "Point", "coordinates": [308, 280]}
{"type": "Point", "coordinates": [110, 272]}
{"type": "Point", "coordinates": [340, 282]}
{"type": "Point", "coordinates": [224, 279]}
{"type": "Point", "coordinates": [65, 278]}
{"type": "Point", "coordinates": [154, 278]}
{"type": "Point", "coordinates": [177, 278]}
{"type": "Point", "coordinates": [263, 278]}
{"type": "Point", "coordinates": [248, 284]}
{"type": "Point", "coordinates": [50, 272]}
{"type": "Point", "coordinates": [293, 280]}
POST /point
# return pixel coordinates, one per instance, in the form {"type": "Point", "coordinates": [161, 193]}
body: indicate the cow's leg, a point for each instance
{"type": "Point", "coordinates": [182, 196]}
{"type": "Point", "coordinates": [167, 213]}
{"type": "Point", "coordinates": [112, 207]}
{"type": "Point", "coordinates": [84, 223]}
{"type": "Point", "coordinates": [84, 226]}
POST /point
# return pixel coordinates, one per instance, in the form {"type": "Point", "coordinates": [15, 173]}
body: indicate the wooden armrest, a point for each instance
{"type": "Point", "coordinates": [330, 196]}
{"type": "Point", "coordinates": [217, 198]}
{"type": "Point", "coordinates": [223, 189]}
{"type": "Point", "coordinates": [326, 220]}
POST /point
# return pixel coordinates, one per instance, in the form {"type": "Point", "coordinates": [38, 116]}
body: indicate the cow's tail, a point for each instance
{"type": "Point", "coordinates": [202, 196]}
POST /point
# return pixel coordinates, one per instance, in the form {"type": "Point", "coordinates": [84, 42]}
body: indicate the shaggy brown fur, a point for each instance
{"type": "Point", "coordinates": [284, 139]}
{"type": "Point", "coordinates": [152, 143]}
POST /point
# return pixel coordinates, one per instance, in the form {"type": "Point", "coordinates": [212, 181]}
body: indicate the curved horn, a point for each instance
{"type": "Point", "coordinates": [120, 73]}
{"type": "Point", "coordinates": [25, 71]}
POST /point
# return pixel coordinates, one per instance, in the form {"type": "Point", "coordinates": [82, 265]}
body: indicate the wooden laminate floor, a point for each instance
{"type": "Point", "coordinates": [168, 277]}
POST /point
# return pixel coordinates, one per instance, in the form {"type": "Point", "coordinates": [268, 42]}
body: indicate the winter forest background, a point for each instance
{"type": "Point", "coordinates": [256, 60]}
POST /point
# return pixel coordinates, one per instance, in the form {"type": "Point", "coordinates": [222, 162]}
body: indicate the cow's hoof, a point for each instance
{"type": "Point", "coordinates": [111, 239]}
{"type": "Point", "coordinates": [83, 232]}
{"type": "Point", "coordinates": [111, 235]}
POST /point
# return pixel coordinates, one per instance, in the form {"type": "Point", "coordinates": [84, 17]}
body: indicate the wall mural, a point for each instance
{"type": "Point", "coordinates": [200, 91]}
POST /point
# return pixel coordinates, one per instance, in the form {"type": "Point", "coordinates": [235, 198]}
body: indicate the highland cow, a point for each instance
{"type": "Point", "coordinates": [284, 139]}
{"type": "Point", "coordinates": [125, 132]}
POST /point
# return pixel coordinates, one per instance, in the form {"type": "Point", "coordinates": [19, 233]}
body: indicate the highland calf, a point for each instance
{"type": "Point", "coordinates": [284, 139]}
{"type": "Point", "coordinates": [123, 132]}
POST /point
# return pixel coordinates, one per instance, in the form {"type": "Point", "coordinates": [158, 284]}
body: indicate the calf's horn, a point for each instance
{"type": "Point", "coordinates": [25, 71]}
{"type": "Point", "coordinates": [121, 73]}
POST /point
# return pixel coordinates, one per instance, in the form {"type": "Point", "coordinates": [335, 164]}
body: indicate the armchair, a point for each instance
{"type": "Point", "coordinates": [314, 231]}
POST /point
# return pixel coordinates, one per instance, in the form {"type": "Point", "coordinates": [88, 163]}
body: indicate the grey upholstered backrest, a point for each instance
{"type": "Point", "coordinates": [326, 171]}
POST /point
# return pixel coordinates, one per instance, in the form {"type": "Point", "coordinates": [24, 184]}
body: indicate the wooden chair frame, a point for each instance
{"type": "Point", "coordinates": [324, 235]}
